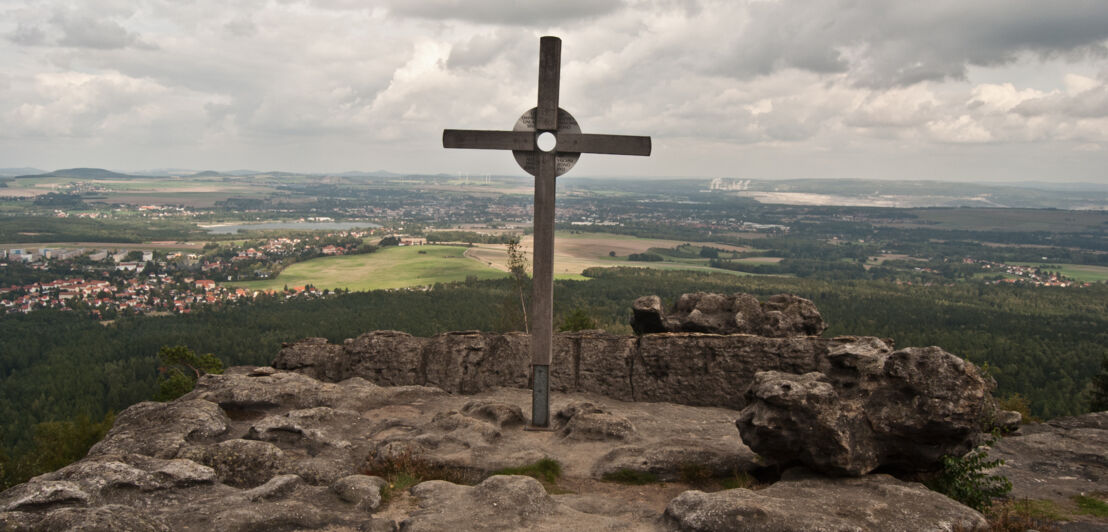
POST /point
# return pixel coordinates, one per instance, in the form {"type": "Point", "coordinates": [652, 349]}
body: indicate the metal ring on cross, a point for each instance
{"type": "Point", "coordinates": [529, 160]}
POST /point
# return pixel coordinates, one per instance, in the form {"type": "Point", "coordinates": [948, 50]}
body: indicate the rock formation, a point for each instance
{"type": "Point", "coordinates": [296, 446]}
{"type": "Point", "coordinates": [683, 368]}
{"type": "Point", "coordinates": [870, 407]}
{"type": "Point", "coordinates": [260, 449]}
{"type": "Point", "coordinates": [781, 315]}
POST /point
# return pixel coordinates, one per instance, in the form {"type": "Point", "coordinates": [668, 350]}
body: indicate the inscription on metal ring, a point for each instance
{"type": "Point", "coordinates": [529, 160]}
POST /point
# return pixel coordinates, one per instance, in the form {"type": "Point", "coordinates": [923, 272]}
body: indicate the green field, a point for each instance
{"type": "Point", "coordinates": [1060, 221]}
{"type": "Point", "coordinates": [393, 267]}
{"type": "Point", "coordinates": [1077, 272]}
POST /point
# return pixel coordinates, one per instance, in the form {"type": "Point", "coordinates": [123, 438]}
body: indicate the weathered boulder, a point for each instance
{"type": "Point", "coordinates": [133, 471]}
{"type": "Point", "coordinates": [363, 491]}
{"type": "Point", "coordinates": [1057, 459]}
{"type": "Point", "coordinates": [803, 503]}
{"type": "Point", "coordinates": [162, 429]}
{"type": "Point", "coordinates": [869, 407]}
{"type": "Point", "coordinates": [42, 494]}
{"type": "Point", "coordinates": [240, 463]}
{"type": "Point", "coordinates": [781, 315]}
{"type": "Point", "coordinates": [585, 421]}
{"type": "Point", "coordinates": [499, 503]}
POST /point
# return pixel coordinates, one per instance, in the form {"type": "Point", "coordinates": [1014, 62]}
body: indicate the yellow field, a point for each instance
{"type": "Point", "coordinates": [575, 252]}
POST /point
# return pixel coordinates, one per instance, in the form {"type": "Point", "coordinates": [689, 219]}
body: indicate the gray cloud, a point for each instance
{"type": "Point", "coordinates": [883, 43]}
{"type": "Point", "coordinates": [84, 30]}
{"type": "Point", "coordinates": [506, 11]}
{"type": "Point", "coordinates": [27, 35]}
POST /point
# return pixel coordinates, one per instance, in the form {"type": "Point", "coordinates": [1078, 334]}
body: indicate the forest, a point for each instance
{"type": "Point", "coordinates": [1042, 343]}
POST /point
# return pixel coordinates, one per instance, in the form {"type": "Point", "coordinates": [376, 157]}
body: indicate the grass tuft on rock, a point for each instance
{"type": "Point", "coordinates": [1091, 505]}
{"type": "Point", "coordinates": [406, 469]}
{"type": "Point", "coordinates": [547, 470]}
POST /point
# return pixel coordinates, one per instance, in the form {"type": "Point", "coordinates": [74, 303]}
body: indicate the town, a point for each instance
{"type": "Point", "coordinates": [106, 283]}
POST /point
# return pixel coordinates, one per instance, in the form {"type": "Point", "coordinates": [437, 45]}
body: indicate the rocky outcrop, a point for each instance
{"type": "Point", "coordinates": [802, 502]}
{"type": "Point", "coordinates": [870, 407]}
{"type": "Point", "coordinates": [780, 316]}
{"type": "Point", "coordinates": [262, 449]}
{"type": "Point", "coordinates": [684, 368]}
{"type": "Point", "coordinates": [498, 503]}
{"type": "Point", "coordinates": [1057, 459]}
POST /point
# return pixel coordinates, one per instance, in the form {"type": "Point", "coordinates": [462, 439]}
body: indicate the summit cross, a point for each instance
{"type": "Point", "coordinates": [528, 142]}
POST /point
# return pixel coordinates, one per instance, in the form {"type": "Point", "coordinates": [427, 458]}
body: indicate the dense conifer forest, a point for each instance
{"type": "Point", "coordinates": [61, 373]}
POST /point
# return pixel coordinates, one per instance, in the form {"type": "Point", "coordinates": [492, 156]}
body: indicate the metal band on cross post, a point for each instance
{"type": "Point", "coordinates": [570, 143]}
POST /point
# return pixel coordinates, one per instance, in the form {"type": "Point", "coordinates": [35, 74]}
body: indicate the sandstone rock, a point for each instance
{"type": "Point", "coordinates": [678, 459]}
{"type": "Point", "coordinates": [684, 368]}
{"type": "Point", "coordinates": [470, 361]}
{"type": "Point", "coordinates": [781, 315]}
{"type": "Point", "coordinates": [162, 429]}
{"type": "Point", "coordinates": [277, 487]}
{"type": "Point", "coordinates": [306, 426]}
{"type": "Point", "coordinates": [648, 315]}
{"type": "Point", "coordinates": [712, 370]}
{"type": "Point", "coordinates": [584, 421]}
{"type": "Point", "coordinates": [498, 413]}
{"type": "Point", "coordinates": [39, 494]}
{"type": "Point", "coordinates": [796, 503]}
{"type": "Point", "coordinates": [134, 471]}
{"type": "Point", "coordinates": [261, 516]}
{"type": "Point", "coordinates": [363, 491]}
{"type": "Point", "coordinates": [868, 408]}
{"type": "Point", "coordinates": [322, 470]}
{"type": "Point", "coordinates": [1057, 459]}
{"type": "Point", "coordinates": [388, 358]}
{"type": "Point", "coordinates": [499, 503]}
{"type": "Point", "coordinates": [315, 358]}
{"type": "Point", "coordinates": [107, 518]}
{"type": "Point", "coordinates": [240, 463]}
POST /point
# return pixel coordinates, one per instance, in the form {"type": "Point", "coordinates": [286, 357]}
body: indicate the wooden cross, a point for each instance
{"type": "Point", "coordinates": [526, 140]}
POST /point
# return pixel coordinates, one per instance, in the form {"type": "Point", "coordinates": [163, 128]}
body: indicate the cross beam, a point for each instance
{"type": "Point", "coordinates": [570, 143]}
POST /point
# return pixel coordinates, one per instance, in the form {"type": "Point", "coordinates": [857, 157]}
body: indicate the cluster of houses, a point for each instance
{"type": "Point", "coordinates": [1026, 274]}
{"type": "Point", "coordinates": [153, 293]}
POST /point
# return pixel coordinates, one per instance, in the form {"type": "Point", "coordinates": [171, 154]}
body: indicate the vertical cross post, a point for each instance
{"type": "Point", "coordinates": [546, 166]}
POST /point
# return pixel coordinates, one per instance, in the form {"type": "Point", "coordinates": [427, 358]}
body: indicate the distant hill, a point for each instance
{"type": "Point", "coordinates": [209, 173]}
{"type": "Point", "coordinates": [82, 173]}
{"type": "Point", "coordinates": [12, 172]}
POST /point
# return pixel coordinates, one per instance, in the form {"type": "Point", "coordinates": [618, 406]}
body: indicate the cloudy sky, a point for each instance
{"type": "Point", "coordinates": [981, 90]}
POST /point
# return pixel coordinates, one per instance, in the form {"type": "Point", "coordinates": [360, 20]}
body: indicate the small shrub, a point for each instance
{"type": "Point", "coordinates": [1019, 404]}
{"type": "Point", "coordinates": [964, 479]}
{"type": "Point", "coordinates": [630, 476]}
{"type": "Point", "coordinates": [1091, 505]}
{"type": "Point", "coordinates": [181, 368]}
{"type": "Point", "coordinates": [577, 320]}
